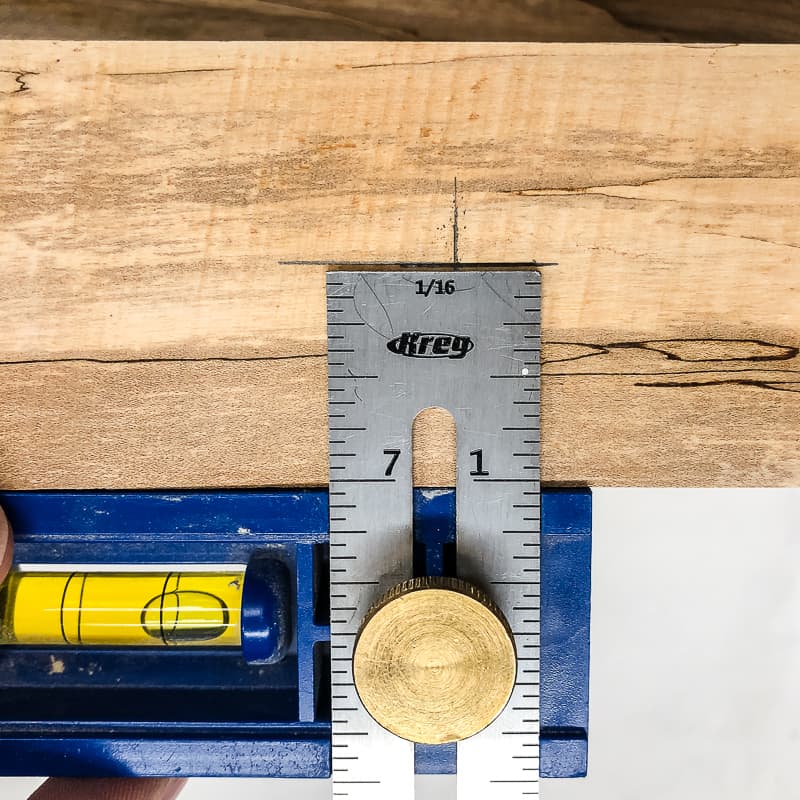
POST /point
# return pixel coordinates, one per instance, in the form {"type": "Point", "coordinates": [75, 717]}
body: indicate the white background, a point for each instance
{"type": "Point", "coordinates": [695, 673]}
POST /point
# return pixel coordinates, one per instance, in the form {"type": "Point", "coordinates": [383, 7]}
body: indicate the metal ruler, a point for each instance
{"type": "Point", "coordinates": [398, 343]}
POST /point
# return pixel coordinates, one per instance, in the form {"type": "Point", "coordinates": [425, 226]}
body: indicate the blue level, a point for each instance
{"type": "Point", "coordinates": [207, 712]}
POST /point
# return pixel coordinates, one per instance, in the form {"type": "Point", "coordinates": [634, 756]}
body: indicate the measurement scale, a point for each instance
{"type": "Point", "coordinates": [468, 342]}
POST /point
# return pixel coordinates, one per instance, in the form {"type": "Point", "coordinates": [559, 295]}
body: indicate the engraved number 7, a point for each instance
{"type": "Point", "coordinates": [395, 454]}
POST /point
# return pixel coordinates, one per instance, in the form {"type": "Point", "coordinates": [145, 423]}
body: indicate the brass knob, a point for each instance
{"type": "Point", "coordinates": [434, 661]}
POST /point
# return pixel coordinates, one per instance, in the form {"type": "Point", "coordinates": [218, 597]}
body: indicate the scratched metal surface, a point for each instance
{"type": "Point", "coordinates": [470, 343]}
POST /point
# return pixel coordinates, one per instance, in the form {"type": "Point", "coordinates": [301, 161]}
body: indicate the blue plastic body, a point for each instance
{"type": "Point", "coordinates": [207, 712]}
{"type": "Point", "coordinates": [266, 610]}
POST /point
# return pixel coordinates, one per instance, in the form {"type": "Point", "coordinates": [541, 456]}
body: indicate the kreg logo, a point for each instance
{"type": "Point", "coordinates": [431, 345]}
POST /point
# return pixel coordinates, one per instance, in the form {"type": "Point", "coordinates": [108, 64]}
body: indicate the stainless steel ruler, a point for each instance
{"type": "Point", "coordinates": [398, 343]}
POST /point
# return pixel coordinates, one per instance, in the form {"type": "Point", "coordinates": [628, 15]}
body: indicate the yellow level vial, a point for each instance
{"type": "Point", "coordinates": [122, 608]}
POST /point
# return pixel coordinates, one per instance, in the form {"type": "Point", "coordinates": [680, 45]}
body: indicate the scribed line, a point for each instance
{"type": "Point", "coordinates": [420, 264]}
{"type": "Point", "coordinates": [455, 222]}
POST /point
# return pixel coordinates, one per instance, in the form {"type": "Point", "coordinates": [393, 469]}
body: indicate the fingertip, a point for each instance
{"type": "Point", "coordinates": [109, 789]}
{"type": "Point", "coordinates": [6, 546]}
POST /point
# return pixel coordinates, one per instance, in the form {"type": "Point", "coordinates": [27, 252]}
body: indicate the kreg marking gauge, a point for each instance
{"type": "Point", "coordinates": [174, 633]}
{"type": "Point", "coordinates": [413, 658]}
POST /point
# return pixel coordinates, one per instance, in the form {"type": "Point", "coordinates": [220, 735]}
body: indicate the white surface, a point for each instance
{"type": "Point", "coordinates": [695, 677]}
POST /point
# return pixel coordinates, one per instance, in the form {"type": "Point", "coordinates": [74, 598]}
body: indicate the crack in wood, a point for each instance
{"type": "Point", "coordinates": [596, 189]}
{"type": "Point", "coordinates": [752, 239]}
{"type": "Point", "coordinates": [778, 386]}
{"type": "Point", "coordinates": [156, 73]}
{"type": "Point", "coordinates": [455, 60]}
{"type": "Point", "coordinates": [156, 360]}
{"type": "Point", "coordinates": [682, 349]}
{"type": "Point", "coordinates": [19, 77]}
{"type": "Point", "coordinates": [701, 351]}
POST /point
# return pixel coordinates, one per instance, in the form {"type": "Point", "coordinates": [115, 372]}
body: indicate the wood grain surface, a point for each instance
{"type": "Point", "coordinates": [167, 212]}
{"type": "Point", "coordinates": [406, 20]}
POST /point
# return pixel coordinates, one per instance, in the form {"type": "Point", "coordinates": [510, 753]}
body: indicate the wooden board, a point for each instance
{"type": "Point", "coordinates": [406, 20]}
{"type": "Point", "coordinates": [156, 330]}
